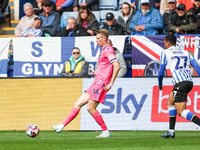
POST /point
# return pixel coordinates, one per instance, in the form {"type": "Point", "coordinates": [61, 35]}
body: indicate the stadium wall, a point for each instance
{"type": "Point", "coordinates": [131, 104]}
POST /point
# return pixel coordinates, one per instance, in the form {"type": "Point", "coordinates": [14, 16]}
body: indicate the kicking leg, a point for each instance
{"type": "Point", "coordinates": [73, 113]}
{"type": "Point", "coordinates": [92, 105]}
{"type": "Point", "coordinates": [181, 109]}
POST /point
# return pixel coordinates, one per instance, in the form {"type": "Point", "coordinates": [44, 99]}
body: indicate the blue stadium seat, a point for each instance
{"type": "Point", "coordinates": [108, 4]}
{"type": "Point", "coordinates": [64, 17]}
{"type": "Point", "coordinates": [97, 15]}
{"type": "Point", "coordinates": [121, 2]}
{"type": "Point", "coordinates": [70, 13]}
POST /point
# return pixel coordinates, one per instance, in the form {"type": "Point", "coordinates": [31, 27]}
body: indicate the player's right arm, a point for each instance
{"type": "Point", "coordinates": [161, 69]}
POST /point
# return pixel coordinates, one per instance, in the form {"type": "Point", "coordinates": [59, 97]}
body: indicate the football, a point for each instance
{"type": "Point", "coordinates": [32, 130]}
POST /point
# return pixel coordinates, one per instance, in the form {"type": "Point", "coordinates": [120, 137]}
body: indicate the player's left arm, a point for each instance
{"type": "Point", "coordinates": [116, 68]}
{"type": "Point", "coordinates": [195, 65]}
{"type": "Point", "coordinates": [161, 70]}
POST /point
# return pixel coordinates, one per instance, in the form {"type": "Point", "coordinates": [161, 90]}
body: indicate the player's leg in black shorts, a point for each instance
{"type": "Point", "coordinates": [181, 90]}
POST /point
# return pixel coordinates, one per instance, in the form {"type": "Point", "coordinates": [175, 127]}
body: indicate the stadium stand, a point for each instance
{"type": "Point", "coordinates": [65, 15]}
{"type": "Point", "coordinates": [108, 4]}
{"type": "Point", "coordinates": [121, 2]}
{"type": "Point", "coordinates": [97, 15]}
{"type": "Point", "coordinates": [6, 15]}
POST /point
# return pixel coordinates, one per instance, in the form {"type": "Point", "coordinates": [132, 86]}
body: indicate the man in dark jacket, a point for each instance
{"type": "Point", "coordinates": [3, 5]}
{"type": "Point", "coordinates": [184, 22]}
{"type": "Point", "coordinates": [73, 29]}
{"type": "Point", "coordinates": [169, 14]}
{"type": "Point", "coordinates": [113, 27]}
{"type": "Point", "coordinates": [196, 12]}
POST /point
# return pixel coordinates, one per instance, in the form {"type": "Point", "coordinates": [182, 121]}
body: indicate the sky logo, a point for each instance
{"type": "Point", "coordinates": [119, 104]}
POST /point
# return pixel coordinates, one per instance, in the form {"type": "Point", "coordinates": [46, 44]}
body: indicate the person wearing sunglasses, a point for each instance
{"type": "Point", "coordinates": [76, 66]}
{"type": "Point", "coordinates": [196, 12]}
{"type": "Point", "coordinates": [183, 22]}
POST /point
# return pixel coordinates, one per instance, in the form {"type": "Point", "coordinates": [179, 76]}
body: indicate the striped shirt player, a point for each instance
{"type": "Point", "coordinates": [178, 61]}
{"type": "Point", "coordinates": [35, 32]}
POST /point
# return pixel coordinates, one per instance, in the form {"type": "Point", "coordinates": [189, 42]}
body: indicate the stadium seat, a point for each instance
{"type": "Point", "coordinates": [121, 2]}
{"type": "Point", "coordinates": [103, 15]}
{"type": "Point", "coordinates": [108, 4]}
{"type": "Point", "coordinates": [6, 15]}
{"type": "Point", "coordinates": [97, 15]}
{"type": "Point", "coordinates": [64, 17]}
{"type": "Point", "coordinates": [70, 13]}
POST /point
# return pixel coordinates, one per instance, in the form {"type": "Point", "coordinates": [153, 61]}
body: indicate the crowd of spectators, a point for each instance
{"type": "Point", "coordinates": [139, 17]}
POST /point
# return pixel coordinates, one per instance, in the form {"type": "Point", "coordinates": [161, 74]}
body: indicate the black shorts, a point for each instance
{"type": "Point", "coordinates": [181, 90]}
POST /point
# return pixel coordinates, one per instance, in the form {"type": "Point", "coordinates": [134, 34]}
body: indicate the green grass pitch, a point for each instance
{"type": "Point", "coordinates": [119, 140]}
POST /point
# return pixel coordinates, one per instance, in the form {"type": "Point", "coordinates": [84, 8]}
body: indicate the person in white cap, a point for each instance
{"type": "Point", "coordinates": [168, 15]}
{"type": "Point", "coordinates": [146, 21]}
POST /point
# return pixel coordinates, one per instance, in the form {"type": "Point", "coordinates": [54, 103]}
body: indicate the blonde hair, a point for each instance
{"type": "Point", "coordinates": [103, 32]}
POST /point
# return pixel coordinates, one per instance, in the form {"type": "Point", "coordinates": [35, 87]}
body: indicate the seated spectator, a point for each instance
{"type": "Point", "coordinates": [183, 22]}
{"type": "Point", "coordinates": [38, 6]}
{"type": "Point", "coordinates": [146, 21]}
{"type": "Point", "coordinates": [63, 5]}
{"type": "Point", "coordinates": [76, 66]}
{"type": "Point", "coordinates": [26, 21]}
{"type": "Point", "coordinates": [93, 5]}
{"type": "Point", "coordinates": [35, 30]}
{"type": "Point", "coordinates": [168, 15]}
{"type": "Point", "coordinates": [87, 19]}
{"type": "Point", "coordinates": [113, 27]}
{"type": "Point", "coordinates": [50, 19]}
{"type": "Point", "coordinates": [125, 17]}
{"type": "Point", "coordinates": [154, 3]}
{"type": "Point", "coordinates": [3, 5]}
{"type": "Point", "coordinates": [187, 3]}
{"type": "Point", "coordinates": [120, 59]}
{"type": "Point", "coordinates": [196, 12]}
{"type": "Point", "coordinates": [73, 29]}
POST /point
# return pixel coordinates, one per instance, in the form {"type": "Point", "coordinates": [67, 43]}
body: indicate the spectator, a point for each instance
{"type": "Point", "coordinates": [113, 27]}
{"type": "Point", "coordinates": [76, 66]}
{"type": "Point", "coordinates": [168, 15]}
{"type": "Point", "coordinates": [38, 6]}
{"type": "Point", "coordinates": [187, 3]}
{"type": "Point", "coordinates": [3, 5]}
{"type": "Point", "coordinates": [163, 6]}
{"type": "Point", "coordinates": [147, 21]}
{"type": "Point", "coordinates": [35, 30]}
{"type": "Point", "coordinates": [73, 29]}
{"type": "Point", "coordinates": [183, 22]}
{"type": "Point", "coordinates": [120, 59]}
{"type": "Point", "coordinates": [125, 17]}
{"type": "Point", "coordinates": [154, 3]}
{"type": "Point", "coordinates": [26, 21]}
{"type": "Point", "coordinates": [50, 19]}
{"type": "Point", "coordinates": [63, 5]}
{"type": "Point", "coordinates": [91, 4]}
{"type": "Point", "coordinates": [196, 12]}
{"type": "Point", "coordinates": [87, 19]}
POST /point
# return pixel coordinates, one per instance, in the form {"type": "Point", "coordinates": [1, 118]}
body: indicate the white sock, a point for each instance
{"type": "Point", "coordinates": [171, 130]}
